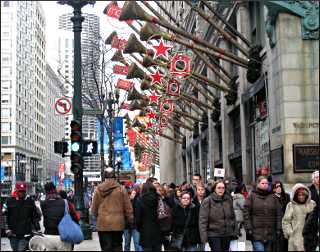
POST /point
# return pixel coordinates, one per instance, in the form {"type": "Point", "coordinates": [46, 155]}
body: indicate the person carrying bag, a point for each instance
{"type": "Point", "coordinates": [69, 230]}
{"type": "Point", "coordinates": [185, 229]}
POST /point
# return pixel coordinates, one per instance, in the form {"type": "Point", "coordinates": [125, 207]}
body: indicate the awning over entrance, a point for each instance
{"type": "Point", "coordinates": [256, 87]}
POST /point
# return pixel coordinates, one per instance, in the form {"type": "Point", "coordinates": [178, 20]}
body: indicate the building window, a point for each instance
{"type": "Point", "coordinates": [5, 112]}
{"type": "Point", "coordinates": [5, 84]}
{"type": "Point", "coordinates": [5, 99]}
{"type": "Point", "coordinates": [5, 140]}
{"type": "Point", "coordinates": [6, 3]}
{"type": "Point", "coordinates": [5, 127]}
{"type": "Point", "coordinates": [257, 20]}
{"type": "Point", "coordinates": [236, 131]}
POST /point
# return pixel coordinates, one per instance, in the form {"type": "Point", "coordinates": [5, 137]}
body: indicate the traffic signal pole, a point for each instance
{"type": "Point", "coordinates": [77, 111]}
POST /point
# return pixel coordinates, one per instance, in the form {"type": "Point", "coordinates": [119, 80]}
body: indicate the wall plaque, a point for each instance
{"type": "Point", "coordinates": [306, 157]}
{"type": "Point", "coordinates": [276, 160]}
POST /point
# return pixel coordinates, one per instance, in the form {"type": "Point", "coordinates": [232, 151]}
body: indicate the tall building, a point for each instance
{"type": "Point", "coordinates": [273, 125]}
{"type": "Point", "coordinates": [90, 38]}
{"type": "Point", "coordinates": [23, 71]}
{"type": "Point", "coordinates": [55, 125]}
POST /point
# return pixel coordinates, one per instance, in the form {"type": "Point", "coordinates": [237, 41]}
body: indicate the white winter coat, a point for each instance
{"type": "Point", "coordinates": [294, 218]}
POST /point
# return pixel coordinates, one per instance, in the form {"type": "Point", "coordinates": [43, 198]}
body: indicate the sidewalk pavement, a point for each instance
{"type": "Point", "coordinates": [94, 245]}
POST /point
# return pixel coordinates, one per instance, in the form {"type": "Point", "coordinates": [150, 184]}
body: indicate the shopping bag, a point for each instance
{"type": "Point", "coordinates": [236, 245]}
{"type": "Point", "coordinates": [69, 230]}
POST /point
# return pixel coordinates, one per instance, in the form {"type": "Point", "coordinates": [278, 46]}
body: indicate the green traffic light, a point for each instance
{"type": "Point", "coordinates": [75, 146]}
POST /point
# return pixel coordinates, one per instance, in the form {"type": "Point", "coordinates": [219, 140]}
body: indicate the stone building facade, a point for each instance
{"type": "Point", "coordinates": [274, 123]}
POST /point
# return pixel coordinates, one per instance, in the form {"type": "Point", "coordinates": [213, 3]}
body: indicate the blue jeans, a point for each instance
{"type": "Point", "coordinates": [128, 233]}
{"type": "Point", "coordinates": [262, 246]}
{"type": "Point", "coordinates": [19, 244]}
{"type": "Point", "coordinates": [93, 223]}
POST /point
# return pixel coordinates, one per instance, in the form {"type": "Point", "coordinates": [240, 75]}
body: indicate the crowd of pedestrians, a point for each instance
{"type": "Point", "coordinates": [176, 217]}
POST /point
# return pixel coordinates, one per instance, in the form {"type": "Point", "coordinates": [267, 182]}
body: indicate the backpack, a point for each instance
{"type": "Point", "coordinates": [164, 216]}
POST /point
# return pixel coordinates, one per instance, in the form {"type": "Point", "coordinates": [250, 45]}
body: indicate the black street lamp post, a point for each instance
{"type": "Point", "coordinates": [111, 109]}
{"type": "Point", "coordinates": [77, 20]}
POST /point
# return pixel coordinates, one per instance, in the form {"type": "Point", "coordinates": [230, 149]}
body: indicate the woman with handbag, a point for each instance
{"type": "Point", "coordinates": [53, 210]}
{"type": "Point", "coordinates": [185, 229]}
{"type": "Point", "coordinates": [147, 218]}
{"type": "Point", "coordinates": [217, 218]}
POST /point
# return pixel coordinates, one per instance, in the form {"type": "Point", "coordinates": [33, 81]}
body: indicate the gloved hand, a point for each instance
{"type": "Point", "coordinates": [279, 234]}
{"type": "Point", "coordinates": [9, 233]}
{"type": "Point", "coordinates": [249, 235]}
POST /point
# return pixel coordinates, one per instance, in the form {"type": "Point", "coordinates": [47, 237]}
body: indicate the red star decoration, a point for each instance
{"type": "Point", "coordinates": [147, 138]}
{"type": "Point", "coordinates": [152, 115]}
{"type": "Point", "coordinates": [156, 77]}
{"type": "Point", "coordinates": [149, 124]}
{"type": "Point", "coordinates": [162, 49]}
{"type": "Point", "coordinates": [154, 98]}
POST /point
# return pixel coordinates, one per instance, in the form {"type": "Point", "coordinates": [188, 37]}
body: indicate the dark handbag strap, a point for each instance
{"type": "Point", "coordinates": [66, 207]}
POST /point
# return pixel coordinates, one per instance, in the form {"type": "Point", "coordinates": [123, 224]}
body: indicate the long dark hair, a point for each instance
{"type": "Point", "coordinates": [147, 188]}
{"type": "Point", "coordinates": [283, 192]}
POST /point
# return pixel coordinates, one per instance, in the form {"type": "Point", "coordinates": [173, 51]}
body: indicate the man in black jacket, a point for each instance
{"type": "Point", "coordinates": [314, 188]}
{"type": "Point", "coordinates": [22, 217]}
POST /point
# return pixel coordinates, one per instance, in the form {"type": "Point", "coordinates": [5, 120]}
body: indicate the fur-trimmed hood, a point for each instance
{"type": "Point", "coordinates": [298, 186]}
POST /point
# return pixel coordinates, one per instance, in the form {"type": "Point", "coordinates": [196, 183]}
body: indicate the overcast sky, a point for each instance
{"type": "Point", "coordinates": [53, 10]}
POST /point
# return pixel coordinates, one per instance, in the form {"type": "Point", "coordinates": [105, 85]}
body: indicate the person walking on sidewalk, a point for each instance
{"type": "Point", "coordinates": [22, 218]}
{"type": "Point", "coordinates": [147, 218]}
{"type": "Point", "coordinates": [295, 215]}
{"type": "Point", "coordinates": [314, 188]}
{"type": "Point", "coordinates": [131, 230]}
{"type": "Point", "coordinates": [284, 199]}
{"type": "Point", "coordinates": [185, 218]}
{"type": "Point", "coordinates": [111, 206]}
{"type": "Point", "coordinates": [262, 217]}
{"type": "Point", "coordinates": [53, 209]}
{"type": "Point", "coordinates": [217, 218]}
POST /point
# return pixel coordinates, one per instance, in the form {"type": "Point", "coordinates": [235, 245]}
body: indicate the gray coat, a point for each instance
{"type": "Point", "coordinates": [238, 203]}
{"type": "Point", "coordinates": [216, 217]}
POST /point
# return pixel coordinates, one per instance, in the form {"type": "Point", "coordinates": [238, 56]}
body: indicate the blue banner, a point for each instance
{"type": "Point", "coordinates": [2, 173]}
{"type": "Point", "coordinates": [55, 180]}
{"type": "Point", "coordinates": [118, 127]}
{"type": "Point", "coordinates": [67, 182]}
{"type": "Point", "coordinates": [126, 159]}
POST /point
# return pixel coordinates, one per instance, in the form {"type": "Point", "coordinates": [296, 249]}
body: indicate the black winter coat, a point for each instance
{"type": "Point", "coordinates": [53, 212]}
{"type": "Point", "coordinates": [179, 217]}
{"type": "Point", "coordinates": [311, 231]}
{"type": "Point", "coordinates": [315, 194]}
{"type": "Point", "coordinates": [262, 216]}
{"type": "Point", "coordinates": [147, 220]}
{"type": "Point", "coordinates": [21, 216]}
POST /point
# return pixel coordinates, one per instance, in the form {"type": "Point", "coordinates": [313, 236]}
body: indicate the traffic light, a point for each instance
{"type": "Point", "coordinates": [60, 147]}
{"type": "Point", "coordinates": [89, 147]}
{"type": "Point", "coordinates": [75, 136]}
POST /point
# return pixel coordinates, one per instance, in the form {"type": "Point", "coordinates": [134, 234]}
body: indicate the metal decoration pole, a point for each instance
{"type": "Point", "coordinates": [77, 20]}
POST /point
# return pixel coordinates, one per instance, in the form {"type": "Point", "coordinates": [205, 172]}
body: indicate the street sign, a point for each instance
{"type": "Point", "coordinates": [219, 172]}
{"type": "Point", "coordinates": [63, 106]}
{"type": "Point", "coordinates": [92, 112]}
{"type": "Point", "coordinates": [89, 147]}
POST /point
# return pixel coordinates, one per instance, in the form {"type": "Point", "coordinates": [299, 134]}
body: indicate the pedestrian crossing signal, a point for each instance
{"type": "Point", "coordinates": [89, 147]}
